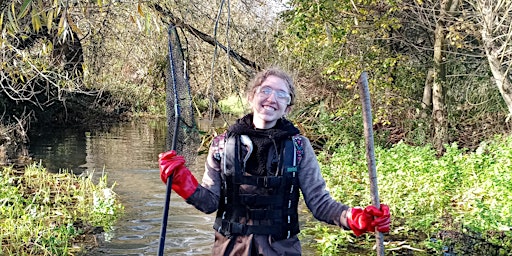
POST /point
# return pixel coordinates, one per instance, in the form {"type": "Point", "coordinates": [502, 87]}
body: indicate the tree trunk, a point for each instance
{"type": "Point", "coordinates": [439, 112]}
{"type": "Point", "coordinates": [426, 103]}
{"type": "Point", "coordinates": [493, 51]}
{"type": "Point", "coordinates": [439, 115]}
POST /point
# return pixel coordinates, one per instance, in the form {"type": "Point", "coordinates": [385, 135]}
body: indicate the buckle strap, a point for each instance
{"type": "Point", "coordinates": [264, 214]}
{"type": "Point", "coordinates": [229, 228]}
{"type": "Point", "coordinates": [260, 200]}
{"type": "Point", "coordinates": [265, 181]}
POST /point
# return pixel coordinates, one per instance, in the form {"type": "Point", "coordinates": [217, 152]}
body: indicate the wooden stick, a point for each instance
{"type": "Point", "coordinates": [370, 151]}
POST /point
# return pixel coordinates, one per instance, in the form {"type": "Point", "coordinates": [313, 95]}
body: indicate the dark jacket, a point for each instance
{"type": "Point", "coordinates": [312, 186]}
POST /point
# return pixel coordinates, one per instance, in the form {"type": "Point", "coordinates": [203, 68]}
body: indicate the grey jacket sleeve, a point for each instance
{"type": "Point", "coordinates": [313, 187]}
{"type": "Point", "coordinates": [206, 197]}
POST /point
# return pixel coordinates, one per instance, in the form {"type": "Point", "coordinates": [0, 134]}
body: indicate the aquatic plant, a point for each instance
{"type": "Point", "coordinates": [44, 213]}
{"type": "Point", "coordinates": [457, 204]}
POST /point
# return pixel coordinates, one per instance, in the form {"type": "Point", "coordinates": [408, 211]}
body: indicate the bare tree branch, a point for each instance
{"type": "Point", "coordinates": [205, 37]}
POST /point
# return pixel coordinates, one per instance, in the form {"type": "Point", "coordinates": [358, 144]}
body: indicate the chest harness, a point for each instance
{"type": "Point", "coordinates": [270, 211]}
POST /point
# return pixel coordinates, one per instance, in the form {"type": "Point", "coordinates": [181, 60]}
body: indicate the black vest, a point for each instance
{"type": "Point", "coordinates": [272, 212]}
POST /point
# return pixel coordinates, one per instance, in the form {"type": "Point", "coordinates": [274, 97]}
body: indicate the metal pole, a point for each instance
{"type": "Point", "coordinates": [171, 92]}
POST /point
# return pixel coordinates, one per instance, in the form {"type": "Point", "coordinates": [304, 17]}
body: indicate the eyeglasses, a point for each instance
{"type": "Point", "coordinates": [281, 95]}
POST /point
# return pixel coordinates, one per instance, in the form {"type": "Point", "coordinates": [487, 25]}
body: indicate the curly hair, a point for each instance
{"type": "Point", "coordinates": [260, 77]}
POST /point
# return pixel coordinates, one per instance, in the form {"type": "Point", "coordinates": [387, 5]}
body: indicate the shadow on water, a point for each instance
{"type": "Point", "coordinates": [128, 154]}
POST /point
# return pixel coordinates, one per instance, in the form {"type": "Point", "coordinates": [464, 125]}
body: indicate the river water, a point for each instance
{"type": "Point", "coordinates": [128, 154]}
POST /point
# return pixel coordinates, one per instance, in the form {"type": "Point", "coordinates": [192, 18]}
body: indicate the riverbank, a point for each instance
{"type": "Point", "coordinates": [457, 204]}
{"type": "Point", "coordinates": [43, 213]}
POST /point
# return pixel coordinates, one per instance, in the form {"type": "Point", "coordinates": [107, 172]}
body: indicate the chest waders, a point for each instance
{"type": "Point", "coordinates": [273, 212]}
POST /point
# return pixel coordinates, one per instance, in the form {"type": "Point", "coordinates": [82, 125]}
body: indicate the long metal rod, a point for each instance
{"type": "Point", "coordinates": [177, 115]}
{"type": "Point", "coordinates": [370, 152]}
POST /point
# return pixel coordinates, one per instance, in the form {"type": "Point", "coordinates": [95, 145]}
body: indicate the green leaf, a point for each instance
{"type": "Point", "coordinates": [24, 8]}
{"type": "Point", "coordinates": [148, 23]}
{"type": "Point", "coordinates": [36, 22]}
{"type": "Point", "coordinates": [49, 21]}
{"type": "Point", "coordinates": [62, 24]}
{"type": "Point", "coordinates": [12, 21]}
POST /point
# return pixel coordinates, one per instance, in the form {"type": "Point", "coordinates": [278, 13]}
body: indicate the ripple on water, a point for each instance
{"type": "Point", "coordinates": [141, 227]}
{"type": "Point", "coordinates": [131, 237]}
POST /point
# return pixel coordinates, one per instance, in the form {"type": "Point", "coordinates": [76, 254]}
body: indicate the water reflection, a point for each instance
{"type": "Point", "coordinates": [127, 153]}
{"type": "Point", "coordinates": [63, 149]}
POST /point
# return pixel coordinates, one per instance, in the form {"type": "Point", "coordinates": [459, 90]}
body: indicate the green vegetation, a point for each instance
{"type": "Point", "coordinates": [460, 203]}
{"type": "Point", "coordinates": [233, 105]}
{"type": "Point", "coordinates": [433, 71]}
{"type": "Point", "coordinates": [46, 214]}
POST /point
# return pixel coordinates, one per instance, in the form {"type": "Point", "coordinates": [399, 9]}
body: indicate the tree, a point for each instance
{"type": "Point", "coordinates": [439, 76]}
{"type": "Point", "coordinates": [469, 96]}
{"type": "Point", "coordinates": [400, 42]}
{"type": "Point", "coordinates": [225, 41]}
{"type": "Point", "coordinates": [58, 66]}
{"type": "Point", "coordinates": [496, 31]}
{"type": "Point", "coordinates": [41, 61]}
{"type": "Point", "coordinates": [66, 59]}
{"type": "Point", "coordinates": [42, 53]}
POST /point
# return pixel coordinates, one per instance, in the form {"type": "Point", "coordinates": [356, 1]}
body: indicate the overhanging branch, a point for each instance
{"type": "Point", "coordinates": [205, 37]}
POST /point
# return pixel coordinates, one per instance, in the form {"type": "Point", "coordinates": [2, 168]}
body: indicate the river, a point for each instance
{"type": "Point", "coordinates": [127, 153]}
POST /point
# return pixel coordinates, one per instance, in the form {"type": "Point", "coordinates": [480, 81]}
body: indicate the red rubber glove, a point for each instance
{"type": "Point", "coordinates": [367, 220]}
{"type": "Point", "coordinates": [381, 218]}
{"type": "Point", "coordinates": [183, 182]}
{"type": "Point", "coordinates": [169, 162]}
